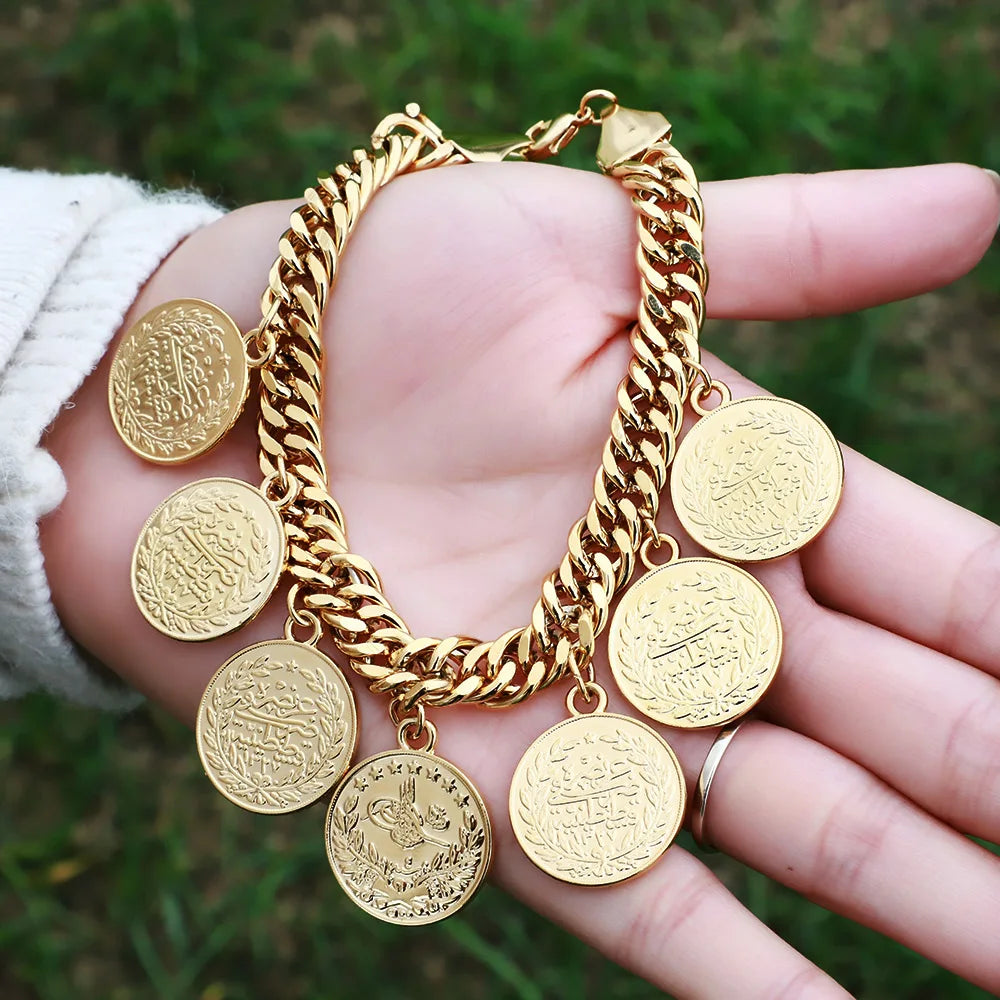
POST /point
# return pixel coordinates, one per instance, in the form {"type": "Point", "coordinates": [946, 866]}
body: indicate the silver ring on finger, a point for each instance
{"type": "Point", "coordinates": [704, 785]}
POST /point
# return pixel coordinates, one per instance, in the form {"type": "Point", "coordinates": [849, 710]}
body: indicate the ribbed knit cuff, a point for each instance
{"type": "Point", "coordinates": [74, 252]}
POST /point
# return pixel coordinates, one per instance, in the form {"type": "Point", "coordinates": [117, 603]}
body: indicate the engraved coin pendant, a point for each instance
{"type": "Point", "coordinates": [179, 380]}
{"type": "Point", "coordinates": [208, 559]}
{"type": "Point", "coordinates": [756, 479]}
{"type": "Point", "coordinates": [408, 837]}
{"type": "Point", "coordinates": [276, 727]}
{"type": "Point", "coordinates": [597, 799]}
{"type": "Point", "coordinates": [695, 643]}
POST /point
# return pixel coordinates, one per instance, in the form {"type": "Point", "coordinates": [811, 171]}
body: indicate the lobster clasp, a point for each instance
{"type": "Point", "coordinates": [495, 152]}
{"type": "Point", "coordinates": [551, 138]}
{"type": "Point", "coordinates": [542, 140]}
{"type": "Point", "coordinates": [625, 133]}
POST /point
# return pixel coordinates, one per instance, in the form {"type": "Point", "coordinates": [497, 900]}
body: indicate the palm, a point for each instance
{"type": "Point", "coordinates": [473, 358]}
{"type": "Point", "coordinates": [464, 414]}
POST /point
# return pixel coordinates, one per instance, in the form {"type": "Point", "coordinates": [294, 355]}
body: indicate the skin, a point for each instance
{"type": "Point", "coordinates": [475, 341]}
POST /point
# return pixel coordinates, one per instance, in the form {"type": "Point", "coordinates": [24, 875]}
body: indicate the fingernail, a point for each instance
{"type": "Point", "coordinates": [994, 176]}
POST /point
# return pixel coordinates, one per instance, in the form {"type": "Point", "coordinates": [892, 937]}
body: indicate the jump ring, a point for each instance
{"type": "Point", "coordinates": [598, 94]}
{"type": "Point", "coordinates": [704, 785]}
{"type": "Point", "coordinates": [309, 619]}
{"type": "Point", "coordinates": [400, 713]}
{"type": "Point", "coordinates": [280, 476]}
{"type": "Point", "coordinates": [267, 344]}
{"type": "Point", "coordinates": [411, 729]}
{"type": "Point", "coordinates": [655, 541]}
{"type": "Point", "coordinates": [703, 391]}
{"type": "Point", "coordinates": [589, 688]}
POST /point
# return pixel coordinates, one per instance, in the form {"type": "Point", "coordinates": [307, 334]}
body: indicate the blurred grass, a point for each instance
{"type": "Point", "coordinates": [121, 874]}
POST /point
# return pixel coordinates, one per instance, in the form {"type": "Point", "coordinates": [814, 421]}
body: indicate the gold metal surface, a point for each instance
{"type": "Point", "coordinates": [626, 133]}
{"type": "Point", "coordinates": [408, 837]}
{"type": "Point", "coordinates": [597, 799]}
{"type": "Point", "coordinates": [574, 605]}
{"type": "Point", "coordinates": [276, 727]}
{"type": "Point", "coordinates": [178, 381]}
{"type": "Point", "coordinates": [756, 479]}
{"type": "Point", "coordinates": [208, 559]}
{"type": "Point", "coordinates": [695, 643]}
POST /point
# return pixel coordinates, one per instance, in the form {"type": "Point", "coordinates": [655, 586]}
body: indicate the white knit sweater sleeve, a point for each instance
{"type": "Point", "coordinates": [74, 251]}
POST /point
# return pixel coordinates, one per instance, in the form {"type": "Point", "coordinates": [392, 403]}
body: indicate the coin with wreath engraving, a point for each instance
{"type": "Point", "coordinates": [178, 381]}
{"type": "Point", "coordinates": [208, 559]}
{"type": "Point", "coordinates": [757, 478]}
{"type": "Point", "coordinates": [695, 643]}
{"type": "Point", "coordinates": [276, 727]}
{"type": "Point", "coordinates": [597, 799]}
{"type": "Point", "coordinates": [408, 837]}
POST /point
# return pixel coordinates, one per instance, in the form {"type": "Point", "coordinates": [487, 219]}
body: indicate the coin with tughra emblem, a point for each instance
{"type": "Point", "coordinates": [408, 837]}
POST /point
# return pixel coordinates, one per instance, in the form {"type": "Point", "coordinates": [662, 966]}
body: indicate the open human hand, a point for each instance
{"type": "Point", "coordinates": [474, 344]}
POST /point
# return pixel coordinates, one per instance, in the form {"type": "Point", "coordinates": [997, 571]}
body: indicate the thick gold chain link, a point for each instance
{"type": "Point", "coordinates": [343, 588]}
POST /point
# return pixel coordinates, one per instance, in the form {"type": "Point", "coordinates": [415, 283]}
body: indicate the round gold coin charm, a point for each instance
{"type": "Point", "coordinates": [756, 479]}
{"type": "Point", "coordinates": [597, 799]}
{"type": "Point", "coordinates": [695, 643]}
{"type": "Point", "coordinates": [208, 559]}
{"type": "Point", "coordinates": [408, 837]}
{"type": "Point", "coordinates": [178, 381]}
{"type": "Point", "coordinates": [276, 727]}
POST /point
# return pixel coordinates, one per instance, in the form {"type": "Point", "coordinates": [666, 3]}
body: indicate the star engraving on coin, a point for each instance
{"type": "Point", "coordinates": [408, 837]}
{"type": "Point", "coordinates": [208, 559]}
{"type": "Point", "coordinates": [597, 799]}
{"type": "Point", "coordinates": [756, 479]}
{"type": "Point", "coordinates": [695, 643]}
{"type": "Point", "coordinates": [178, 381]}
{"type": "Point", "coordinates": [276, 727]}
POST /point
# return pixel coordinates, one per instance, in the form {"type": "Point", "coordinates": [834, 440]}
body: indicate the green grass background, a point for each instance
{"type": "Point", "coordinates": [122, 875]}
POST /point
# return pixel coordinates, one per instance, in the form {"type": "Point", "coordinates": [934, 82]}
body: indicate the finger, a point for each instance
{"type": "Point", "coordinates": [677, 925]}
{"type": "Point", "coordinates": [924, 722]}
{"type": "Point", "coordinates": [802, 814]}
{"type": "Point", "coordinates": [901, 558]}
{"type": "Point", "coordinates": [778, 247]}
{"type": "Point", "coordinates": [807, 245]}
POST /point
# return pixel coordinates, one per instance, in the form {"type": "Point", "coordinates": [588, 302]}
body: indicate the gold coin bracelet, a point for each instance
{"type": "Point", "coordinates": [694, 643]}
